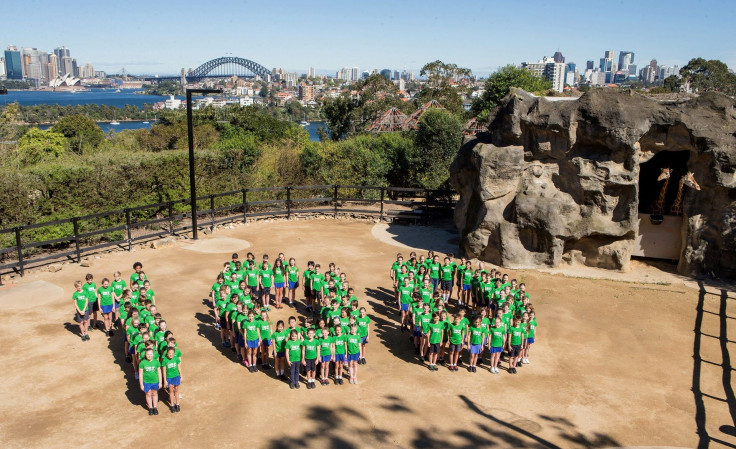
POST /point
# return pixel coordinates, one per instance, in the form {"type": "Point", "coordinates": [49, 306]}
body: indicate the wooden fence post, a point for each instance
{"type": "Point", "coordinates": [171, 218]}
{"type": "Point", "coordinates": [334, 200]}
{"type": "Point", "coordinates": [212, 211]}
{"type": "Point", "coordinates": [19, 248]}
{"type": "Point", "coordinates": [383, 192]}
{"type": "Point", "coordinates": [75, 223]}
{"type": "Point", "coordinates": [127, 228]}
{"type": "Point", "coordinates": [288, 202]}
{"type": "Point", "coordinates": [245, 205]}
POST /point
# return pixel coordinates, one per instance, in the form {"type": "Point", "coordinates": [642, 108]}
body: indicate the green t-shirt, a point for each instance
{"type": "Point", "coordinates": [363, 325]}
{"type": "Point", "coordinates": [426, 294]}
{"type": "Point", "coordinates": [467, 276]}
{"type": "Point", "coordinates": [340, 343]}
{"type": "Point", "coordinates": [251, 329]}
{"type": "Point", "coordinates": [251, 277]}
{"type": "Point", "coordinates": [517, 333]}
{"type": "Point", "coordinates": [435, 330]}
{"type": "Point", "coordinates": [396, 268]}
{"type": "Point", "coordinates": [118, 287]}
{"type": "Point", "coordinates": [171, 365]}
{"type": "Point", "coordinates": [264, 329]}
{"type": "Point", "coordinates": [279, 340]}
{"type": "Point", "coordinates": [353, 344]}
{"type": "Point", "coordinates": [532, 328]}
{"type": "Point", "coordinates": [456, 332]}
{"type": "Point", "coordinates": [150, 370]}
{"type": "Point", "coordinates": [325, 346]}
{"type": "Point", "coordinates": [434, 270]}
{"type": "Point", "coordinates": [293, 273]}
{"type": "Point", "coordinates": [91, 290]}
{"type": "Point", "coordinates": [447, 272]}
{"type": "Point", "coordinates": [308, 279]}
{"type": "Point", "coordinates": [405, 294]}
{"type": "Point", "coordinates": [476, 335]}
{"type": "Point", "coordinates": [105, 295]}
{"type": "Point", "coordinates": [311, 348]}
{"type": "Point", "coordinates": [266, 277]}
{"type": "Point", "coordinates": [497, 334]}
{"type": "Point", "coordinates": [278, 275]}
{"type": "Point", "coordinates": [135, 278]}
{"type": "Point", "coordinates": [293, 350]}
{"type": "Point", "coordinates": [318, 280]}
{"type": "Point", "coordinates": [425, 320]}
{"type": "Point", "coordinates": [80, 299]}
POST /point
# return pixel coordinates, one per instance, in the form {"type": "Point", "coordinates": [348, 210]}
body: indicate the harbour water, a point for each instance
{"type": "Point", "coordinates": [103, 96]}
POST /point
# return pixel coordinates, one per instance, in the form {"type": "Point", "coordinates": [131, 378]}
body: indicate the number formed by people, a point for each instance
{"type": "Point", "coordinates": [501, 320]}
{"type": "Point", "coordinates": [328, 341]}
{"type": "Point", "coordinates": [149, 346]}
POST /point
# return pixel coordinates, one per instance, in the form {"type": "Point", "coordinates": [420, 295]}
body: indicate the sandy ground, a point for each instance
{"type": "Point", "coordinates": [616, 364]}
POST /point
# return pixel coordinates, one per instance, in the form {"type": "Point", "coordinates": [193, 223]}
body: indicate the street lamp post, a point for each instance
{"type": "Point", "coordinates": [190, 132]}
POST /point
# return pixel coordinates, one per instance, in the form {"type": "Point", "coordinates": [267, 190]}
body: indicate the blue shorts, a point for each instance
{"type": "Point", "coordinates": [266, 343]}
{"type": "Point", "coordinates": [353, 357]}
{"type": "Point", "coordinates": [417, 332]}
{"type": "Point", "coordinates": [280, 355]}
{"type": "Point", "coordinates": [475, 349]}
{"type": "Point", "coordinates": [149, 387]}
{"type": "Point", "coordinates": [131, 349]}
{"type": "Point", "coordinates": [363, 340]}
{"type": "Point", "coordinates": [292, 285]}
{"type": "Point", "coordinates": [107, 309]}
{"type": "Point", "coordinates": [447, 285]}
{"type": "Point", "coordinates": [530, 340]}
{"type": "Point", "coordinates": [434, 282]}
{"type": "Point", "coordinates": [278, 285]}
{"type": "Point", "coordinates": [495, 350]}
{"type": "Point", "coordinates": [175, 381]}
{"type": "Point", "coordinates": [240, 340]}
{"type": "Point", "coordinates": [466, 287]}
{"type": "Point", "coordinates": [223, 322]}
{"type": "Point", "coordinates": [117, 305]}
{"type": "Point", "coordinates": [325, 358]}
{"type": "Point", "coordinates": [339, 358]}
{"type": "Point", "coordinates": [404, 307]}
{"type": "Point", "coordinates": [252, 344]}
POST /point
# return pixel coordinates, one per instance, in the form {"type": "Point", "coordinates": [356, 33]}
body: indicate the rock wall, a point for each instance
{"type": "Point", "coordinates": [558, 181]}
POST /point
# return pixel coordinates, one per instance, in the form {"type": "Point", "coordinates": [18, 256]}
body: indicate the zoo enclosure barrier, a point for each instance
{"type": "Point", "coordinates": [23, 247]}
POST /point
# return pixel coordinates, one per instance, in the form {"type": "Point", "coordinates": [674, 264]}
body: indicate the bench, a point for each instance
{"type": "Point", "coordinates": [415, 216]}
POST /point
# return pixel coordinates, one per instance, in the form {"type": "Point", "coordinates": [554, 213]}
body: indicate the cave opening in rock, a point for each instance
{"type": "Point", "coordinates": [650, 188]}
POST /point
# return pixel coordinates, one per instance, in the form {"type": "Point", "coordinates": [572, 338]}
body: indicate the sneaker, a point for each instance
{"type": "Point", "coordinates": [172, 409]}
{"type": "Point", "coordinates": [110, 333]}
{"type": "Point", "coordinates": [341, 381]}
{"type": "Point", "coordinates": [365, 362]}
{"type": "Point", "coordinates": [291, 386]}
{"type": "Point", "coordinates": [240, 358]}
{"type": "Point", "coordinates": [355, 382]}
{"type": "Point", "coordinates": [297, 386]}
{"type": "Point", "coordinates": [266, 366]}
{"type": "Point", "coordinates": [150, 412]}
{"type": "Point", "coordinates": [155, 411]}
{"type": "Point", "coordinates": [82, 337]}
{"type": "Point", "coordinates": [128, 359]}
{"type": "Point", "coordinates": [178, 408]}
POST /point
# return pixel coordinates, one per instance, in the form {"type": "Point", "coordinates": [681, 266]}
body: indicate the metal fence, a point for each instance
{"type": "Point", "coordinates": [23, 247]}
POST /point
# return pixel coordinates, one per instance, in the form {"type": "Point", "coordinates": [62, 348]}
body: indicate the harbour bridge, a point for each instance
{"type": "Point", "coordinates": [222, 67]}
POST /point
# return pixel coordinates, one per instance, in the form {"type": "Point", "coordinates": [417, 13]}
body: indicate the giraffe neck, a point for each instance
{"type": "Point", "coordinates": [676, 206]}
{"type": "Point", "coordinates": [659, 206]}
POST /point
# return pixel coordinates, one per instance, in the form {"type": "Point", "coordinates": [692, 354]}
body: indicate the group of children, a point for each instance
{"type": "Point", "coordinates": [502, 320]}
{"type": "Point", "coordinates": [333, 336]}
{"type": "Point", "coordinates": [148, 344]}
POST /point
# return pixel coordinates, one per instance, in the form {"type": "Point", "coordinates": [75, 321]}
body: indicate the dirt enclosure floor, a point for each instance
{"type": "Point", "coordinates": [615, 363]}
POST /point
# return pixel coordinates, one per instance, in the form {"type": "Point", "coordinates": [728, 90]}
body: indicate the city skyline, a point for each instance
{"type": "Point", "coordinates": [379, 36]}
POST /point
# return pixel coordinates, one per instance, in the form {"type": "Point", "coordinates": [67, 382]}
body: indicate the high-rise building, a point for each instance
{"type": "Point", "coordinates": [2, 67]}
{"type": "Point", "coordinates": [570, 76]}
{"type": "Point", "coordinates": [32, 63]}
{"type": "Point", "coordinates": [589, 65]}
{"type": "Point", "coordinates": [606, 64]}
{"type": "Point", "coordinates": [386, 73]}
{"type": "Point", "coordinates": [397, 75]}
{"type": "Point", "coordinates": [355, 74]}
{"type": "Point", "coordinates": [13, 64]}
{"type": "Point", "coordinates": [66, 66]}
{"type": "Point", "coordinates": [60, 53]}
{"type": "Point", "coordinates": [549, 69]}
{"type": "Point", "coordinates": [306, 92]}
{"type": "Point", "coordinates": [310, 73]}
{"type": "Point", "coordinates": [87, 71]}
{"type": "Point", "coordinates": [75, 68]}
{"type": "Point", "coordinates": [625, 59]}
{"type": "Point", "coordinates": [558, 57]}
{"type": "Point", "coordinates": [53, 67]}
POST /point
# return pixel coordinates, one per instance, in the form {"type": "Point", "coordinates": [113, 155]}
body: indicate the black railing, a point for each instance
{"type": "Point", "coordinates": [22, 247]}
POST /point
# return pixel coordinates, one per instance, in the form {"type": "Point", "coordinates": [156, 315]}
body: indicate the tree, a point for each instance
{"type": "Point", "coordinates": [442, 85]}
{"type": "Point", "coordinates": [672, 83]}
{"type": "Point", "coordinates": [435, 145]}
{"type": "Point", "coordinates": [37, 145]}
{"type": "Point", "coordinates": [339, 114]}
{"type": "Point", "coordinates": [81, 132]}
{"type": "Point", "coordinates": [500, 83]}
{"type": "Point", "coordinates": [710, 75]}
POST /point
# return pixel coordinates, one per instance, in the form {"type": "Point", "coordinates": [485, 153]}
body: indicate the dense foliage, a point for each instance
{"type": "Point", "coordinates": [500, 83]}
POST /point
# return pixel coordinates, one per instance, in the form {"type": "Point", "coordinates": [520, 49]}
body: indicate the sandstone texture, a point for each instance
{"type": "Point", "coordinates": [558, 181]}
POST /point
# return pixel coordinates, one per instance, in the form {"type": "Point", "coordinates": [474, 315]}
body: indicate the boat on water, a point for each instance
{"type": "Point", "coordinates": [303, 123]}
{"type": "Point", "coordinates": [114, 122]}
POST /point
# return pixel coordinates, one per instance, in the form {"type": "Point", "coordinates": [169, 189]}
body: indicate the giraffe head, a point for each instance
{"type": "Point", "coordinates": [689, 180]}
{"type": "Point", "coordinates": [666, 172]}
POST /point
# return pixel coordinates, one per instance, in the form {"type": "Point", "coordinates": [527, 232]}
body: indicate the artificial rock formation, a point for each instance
{"type": "Point", "coordinates": [558, 181]}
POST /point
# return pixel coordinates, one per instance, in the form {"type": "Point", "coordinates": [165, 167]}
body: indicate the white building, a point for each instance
{"type": "Point", "coordinates": [597, 78]}
{"type": "Point", "coordinates": [246, 101]}
{"type": "Point", "coordinates": [310, 73]}
{"type": "Point", "coordinates": [549, 69]}
{"type": "Point", "coordinates": [172, 103]}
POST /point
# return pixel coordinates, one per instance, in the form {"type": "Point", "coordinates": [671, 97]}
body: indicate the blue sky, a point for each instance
{"type": "Point", "coordinates": [160, 37]}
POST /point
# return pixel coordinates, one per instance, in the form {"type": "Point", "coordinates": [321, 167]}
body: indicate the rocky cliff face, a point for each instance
{"type": "Point", "coordinates": [558, 181]}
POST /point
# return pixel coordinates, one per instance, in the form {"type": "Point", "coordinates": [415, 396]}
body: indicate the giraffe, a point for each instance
{"type": "Point", "coordinates": [658, 207]}
{"type": "Point", "coordinates": [687, 180]}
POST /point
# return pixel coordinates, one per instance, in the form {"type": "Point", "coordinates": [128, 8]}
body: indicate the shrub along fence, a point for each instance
{"type": "Point", "coordinates": [23, 247]}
